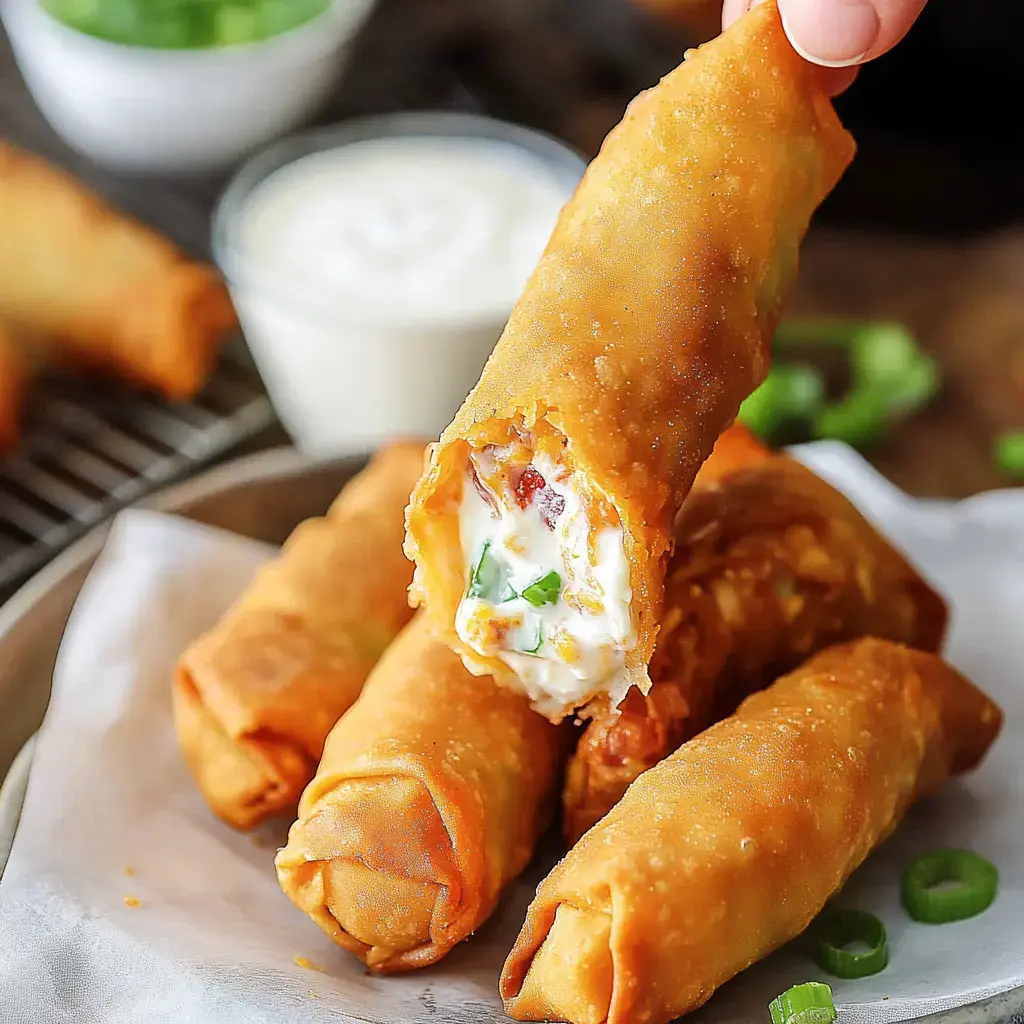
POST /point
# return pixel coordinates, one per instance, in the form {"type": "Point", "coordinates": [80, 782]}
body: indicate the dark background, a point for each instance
{"type": "Point", "coordinates": [938, 120]}
{"type": "Point", "coordinates": [924, 229]}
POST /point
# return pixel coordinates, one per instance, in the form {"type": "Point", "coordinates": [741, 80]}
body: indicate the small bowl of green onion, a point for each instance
{"type": "Point", "coordinates": [179, 86]}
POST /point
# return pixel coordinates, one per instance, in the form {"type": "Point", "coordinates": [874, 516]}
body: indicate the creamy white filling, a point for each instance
{"type": "Point", "coordinates": [567, 651]}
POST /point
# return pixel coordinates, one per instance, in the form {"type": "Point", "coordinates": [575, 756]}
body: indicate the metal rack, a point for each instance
{"type": "Point", "coordinates": [89, 448]}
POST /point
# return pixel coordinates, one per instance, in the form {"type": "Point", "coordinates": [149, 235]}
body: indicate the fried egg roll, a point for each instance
{"type": "Point", "coordinates": [432, 792]}
{"type": "Point", "coordinates": [255, 698]}
{"type": "Point", "coordinates": [770, 565]}
{"type": "Point", "coordinates": [542, 526]}
{"type": "Point", "coordinates": [730, 846]}
{"type": "Point", "coordinates": [111, 294]}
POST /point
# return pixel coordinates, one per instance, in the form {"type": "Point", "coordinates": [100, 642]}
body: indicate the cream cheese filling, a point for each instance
{"type": "Point", "coordinates": [547, 590]}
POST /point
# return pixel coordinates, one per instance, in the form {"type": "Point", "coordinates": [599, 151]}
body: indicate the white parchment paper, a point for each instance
{"type": "Point", "coordinates": [124, 900]}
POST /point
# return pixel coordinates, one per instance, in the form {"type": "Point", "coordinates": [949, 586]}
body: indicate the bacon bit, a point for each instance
{"type": "Point", "coordinates": [550, 505]}
{"type": "Point", "coordinates": [526, 486]}
{"type": "Point", "coordinates": [530, 488]}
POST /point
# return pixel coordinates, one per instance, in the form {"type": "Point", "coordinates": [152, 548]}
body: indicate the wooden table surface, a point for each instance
{"type": "Point", "coordinates": [965, 300]}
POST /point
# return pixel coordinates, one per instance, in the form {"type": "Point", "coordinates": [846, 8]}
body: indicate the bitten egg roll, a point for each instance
{"type": "Point", "coordinates": [431, 794]}
{"type": "Point", "coordinates": [111, 294]}
{"type": "Point", "coordinates": [255, 698]}
{"type": "Point", "coordinates": [542, 526]}
{"type": "Point", "coordinates": [730, 846]}
{"type": "Point", "coordinates": [770, 565]}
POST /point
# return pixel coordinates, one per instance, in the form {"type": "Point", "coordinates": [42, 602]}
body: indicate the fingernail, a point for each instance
{"type": "Point", "coordinates": [833, 34]}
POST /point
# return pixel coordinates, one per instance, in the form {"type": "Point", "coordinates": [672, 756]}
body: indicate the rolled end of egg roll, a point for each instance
{"type": "Point", "coordinates": [730, 846]}
{"type": "Point", "coordinates": [430, 797]}
{"type": "Point", "coordinates": [255, 698]}
{"type": "Point", "coordinates": [105, 291]}
{"type": "Point", "coordinates": [645, 324]}
{"type": "Point", "coordinates": [770, 565]}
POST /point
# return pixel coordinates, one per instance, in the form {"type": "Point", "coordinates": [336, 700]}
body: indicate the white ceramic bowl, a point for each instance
{"type": "Point", "coordinates": [345, 383]}
{"type": "Point", "coordinates": [177, 111]}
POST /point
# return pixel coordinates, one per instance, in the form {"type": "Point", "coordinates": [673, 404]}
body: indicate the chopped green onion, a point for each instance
{"type": "Point", "coordinates": [810, 1003]}
{"type": "Point", "coordinates": [545, 590]}
{"type": "Point", "coordinates": [844, 928]}
{"type": "Point", "coordinates": [890, 379]}
{"type": "Point", "coordinates": [488, 579]}
{"type": "Point", "coordinates": [930, 899]}
{"type": "Point", "coordinates": [790, 392]}
{"type": "Point", "coordinates": [1010, 453]}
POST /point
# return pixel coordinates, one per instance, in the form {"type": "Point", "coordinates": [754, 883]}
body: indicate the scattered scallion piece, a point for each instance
{"type": "Point", "coordinates": [930, 898]}
{"type": "Point", "coordinates": [890, 379]}
{"type": "Point", "coordinates": [810, 1003]}
{"type": "Point", "coordinates": [545, 590]}
{"type": "Point", "coordinates": [844, 928]}
{"type": "Point", "coordinates": [1009, 453]}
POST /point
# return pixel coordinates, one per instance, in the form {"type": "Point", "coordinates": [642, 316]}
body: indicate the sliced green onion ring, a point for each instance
{"type": "Point", "coordinates": [545, 590]}
{"type": "Point", "coordinates": [928, 897]}
{"type": "Point", "coordinates": [810, 1003]}
{"type": "Point", "coordinates": [838, 931]}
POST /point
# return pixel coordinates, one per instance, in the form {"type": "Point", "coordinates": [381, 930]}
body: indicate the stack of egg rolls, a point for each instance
{"type": "Point", "coordinates": [255, 698]}
{"type": "Point", "coordinates": [430, 797]}
{"type": "Point", "coordinates": [646, 323]}
{"type": "Point", "coordinates": [771, 564]}
{"type": "Point", "coordinates": [730, 846]}
{"type": "Point", "coordinates": [104, 291]}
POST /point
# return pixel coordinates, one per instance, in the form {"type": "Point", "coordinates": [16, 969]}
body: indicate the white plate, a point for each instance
{"type": "Point", "coordinates": [246, 496]}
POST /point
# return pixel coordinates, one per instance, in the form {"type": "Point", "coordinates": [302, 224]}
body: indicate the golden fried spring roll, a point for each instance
{"type": "Point", "coordinates": [730, 847]}
{"type": "Point", "coordinates": [255, 698]}
{"type": "Point", "coordinates": [432, 792]}
{"type": "Point", "coordinates": [645, 324]}
{"type": "Point", "coordinates": [770, 565]}
{"type": "Point", "coordinates": [111, 294]}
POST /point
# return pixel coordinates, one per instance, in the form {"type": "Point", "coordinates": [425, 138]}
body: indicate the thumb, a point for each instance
{"type": "Point", "coordinates": [841, 33]}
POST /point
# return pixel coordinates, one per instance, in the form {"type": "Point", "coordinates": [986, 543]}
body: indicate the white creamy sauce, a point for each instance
{"type": "Point", "coordinates": [563, 652]}
{"type": "Point", "coordinates": [424, 226]}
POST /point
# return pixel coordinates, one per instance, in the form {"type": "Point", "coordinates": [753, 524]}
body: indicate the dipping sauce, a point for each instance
{"type": "Point", "coordinates": [416, 226]}
{"type": "Point", "coordinates": [373, 276]}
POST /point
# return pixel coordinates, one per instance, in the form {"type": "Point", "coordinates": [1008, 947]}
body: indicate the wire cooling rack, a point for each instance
{"type": "Point", "coordinates": [90, 448]}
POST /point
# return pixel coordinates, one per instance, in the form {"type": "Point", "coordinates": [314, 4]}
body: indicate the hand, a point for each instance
{"type": "Point", "coordinates": [838, 35]}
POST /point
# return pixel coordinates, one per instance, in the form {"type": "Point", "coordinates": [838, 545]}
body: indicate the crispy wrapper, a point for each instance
{"type": "Point", "coordinates": [730, 847]}
{"type": "Point", "coordinates": [649, 317]}
{"type": "Point", "coordinates": [255, 698]}
{"type": "Point", "coordinates": [432, 792]}
{"type": "Point", "coordinates": [771, 564]}
{"type": "Point", "coordinates": [110, 293]}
